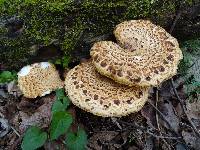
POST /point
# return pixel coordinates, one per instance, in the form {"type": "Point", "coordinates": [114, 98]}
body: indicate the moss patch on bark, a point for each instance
{"type": "Point", "coordinates": [66, 22]}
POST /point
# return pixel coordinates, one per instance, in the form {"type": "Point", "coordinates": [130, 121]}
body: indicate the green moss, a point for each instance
{"type": "Point", "coordinates": [42, 26]}
{"type": "Point", "coordinates": [137, 7]}
{"type": "Point", "coordinates": [72, 36]}
{"type": "Point", "coordinates": [14, 51]}
{"type": "Point", "coordinates": [66, 21]}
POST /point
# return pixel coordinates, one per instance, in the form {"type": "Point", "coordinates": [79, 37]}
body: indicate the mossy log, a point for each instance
{"type": "Point", "coordinates": [36, 30]}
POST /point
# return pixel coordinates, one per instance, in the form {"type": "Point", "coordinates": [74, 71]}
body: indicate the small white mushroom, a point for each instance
{"type": "Point", "coordinates": [38, 79]}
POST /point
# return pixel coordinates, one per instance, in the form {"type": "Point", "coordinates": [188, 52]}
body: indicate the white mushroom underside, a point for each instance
{"type": "Point", "coordinates": [24, 71]}
{"type": "Point", "coordinates": [45, 93]}
{"type": "Point", "coordinates": [44, 65]}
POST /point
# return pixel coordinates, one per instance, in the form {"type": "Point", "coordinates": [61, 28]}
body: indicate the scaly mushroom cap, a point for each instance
{"type": "Point", "coordinates": [101, 96]}
{"type": "Point", "coordinates": [147, 54]}
{"type": "Point", "coordinates": [38, 79]}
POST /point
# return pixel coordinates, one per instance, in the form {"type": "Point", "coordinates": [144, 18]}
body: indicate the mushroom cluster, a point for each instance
{"type": "Point", "coordinates": [116, 80]}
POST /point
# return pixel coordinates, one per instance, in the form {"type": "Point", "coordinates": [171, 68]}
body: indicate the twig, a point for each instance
{"type": "Point", "coordinates": [176, 18]}
{"type": "Point", "coordinates": [156, 90]}
{"type": "Point", "coordinates": [184, 109]}
{"type": "Point", "coordinates": [163, 137]}
{"type": "Point", "coordinates": [16, 132]}
{"type": "Point", "coordinates": [175, 21]}
{"type": "Point", "coordinates": [114, 120]}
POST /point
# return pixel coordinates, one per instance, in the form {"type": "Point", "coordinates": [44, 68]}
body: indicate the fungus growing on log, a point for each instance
{"type": "Point", "coordinates": [145, 55]}
{"type": "Point", "coordinates": [100, 95]}
{"type": "Point", "coordinates": [38, 79]}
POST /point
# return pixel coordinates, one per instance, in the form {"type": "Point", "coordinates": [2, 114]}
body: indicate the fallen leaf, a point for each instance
{"type": "Point", "coordinates": [124, 136]}
{"type": "Point", "coordinates": [133, 148]}
{"type": "Point", "coordinates": [10, 110]}
{"type": "Point", "coordinates": [29, 106]}
{"type": "Point", "coordinates": [3, 94]}
{"type": "Point", "coordinates": [98, 139]}
{"type": "Point", "coordinates": [193, 111]}
{"type": "Point", "coordinates": [180, 146]}
{"type": "Point", "coordinates": [137, 137]}
{"type": "Point", "coordinates": [179, 110]}
{"type": "Point", "coordinates": [166, 90]}
{"type": "Point", "coordinates": [191, 139]}
{"type": "Point", "coordinates": [13, 89]}
{"type": "Point", "coordinates": [148, 143]}
{"type": "Point", "coordinates": [167, 109]}
{"type": "Point", "coordinates": [41, 117]}
{"type": "Point", "coordinates": [9, 141]}
{"type": "Point", "coordinates": [4, 127]}
{"type": "Point", "coordinates": [119, 140]}
{"type": "Point", "coordinates": [149, 114]}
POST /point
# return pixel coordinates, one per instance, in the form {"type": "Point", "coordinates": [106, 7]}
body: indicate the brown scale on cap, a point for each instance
{"type": "Point", "coordinates": [38, 79]}
{"type": "Point", "coordinates": [143, 46]}
{"type": "Point", "coordinates": [101, 95]}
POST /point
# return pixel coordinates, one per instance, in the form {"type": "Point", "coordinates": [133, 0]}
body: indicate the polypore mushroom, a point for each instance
{"type": "Point", "coordinates": [38, 79]}
{"type": "Point", "coordinates": [147, 54]}
{"type": "Point", "coordinates": [100, 95]}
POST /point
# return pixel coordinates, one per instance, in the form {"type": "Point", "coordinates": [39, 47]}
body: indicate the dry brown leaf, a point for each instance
{"type": "Point", "coordinates": [97, 140]}
{"type": "Point", "coordinates": [8, 141]}
{"type": "Point", "coordinates": [166, 90]}
{"type": "Point", "coordinates": [149, 114]}
{"type": "Point", "coordinates": [179, 110]}
{"type": "Point", "coordinates": [133, 148]}
{"type": "Point", "coordinates": [4, 127]}
{"type": "Point", "coordinates": [149, 143]}
{"type": "Point", "coordinates": [167, 109]}
{"type": "Point", "coordinates": [13, 89]}
{"type": "Point", "coordinates": [3, 94]}
{"type": "Point", "coordinates": [10, 110]}
{"type": "Point", "coordinates": [191, 139]}
{"type": "Point", "coordinates": [193, 111]}
{"type": "Point", "coordinates": [41, 117]}
{"type": "Point", "coordinates": [181, 146]}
